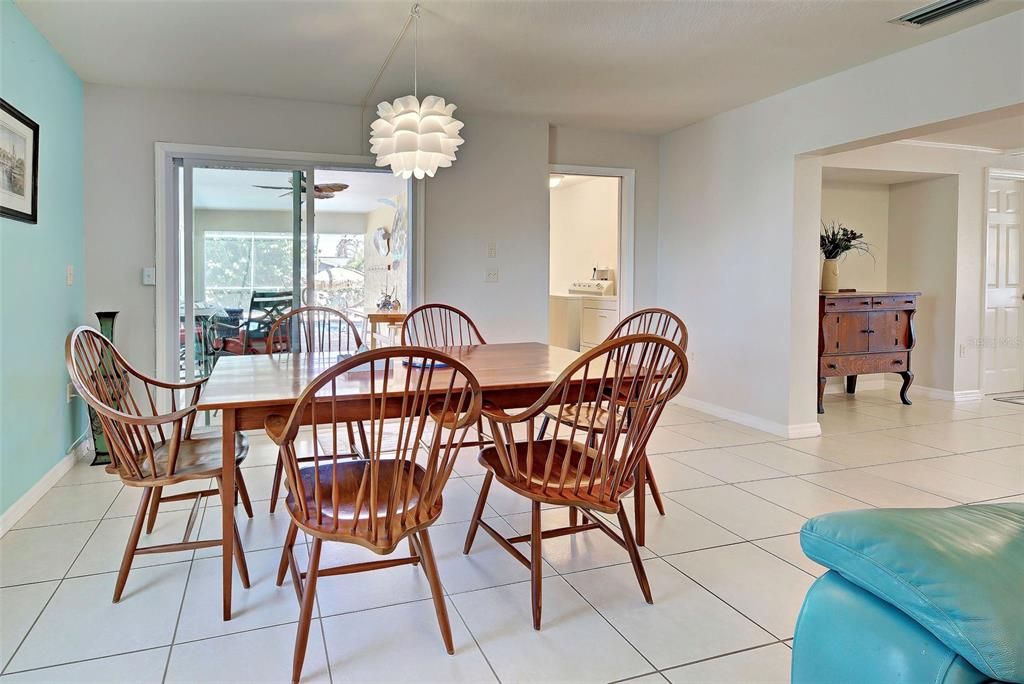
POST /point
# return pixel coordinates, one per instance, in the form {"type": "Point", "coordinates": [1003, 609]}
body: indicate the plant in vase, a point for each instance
{"type": "Point", "coordinates": [835, 241]}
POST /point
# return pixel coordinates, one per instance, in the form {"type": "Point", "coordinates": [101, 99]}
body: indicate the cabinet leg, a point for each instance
{"type": "Point", "coordinates": [908, 379]}
{"type": "Point", "coordinates": [821, 394]}
{"type": "Point", "coordinates": [851, 384]}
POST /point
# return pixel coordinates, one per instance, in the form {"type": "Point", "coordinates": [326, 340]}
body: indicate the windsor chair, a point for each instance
{"type": "Point", "coordinates": [578, 465]}
{"type": "Point", "coordinates": [443, 325]}
{"type": "Point", "coordinates": [377, 501]}
{"type": "Point", "coordinates": [315, 329]}
{"type": "Point", "coordinates": [653, 321]}
{"type": "Point", "coordinates": [150, 449]}
{"type": "Point", "coordinates": [440, 325]}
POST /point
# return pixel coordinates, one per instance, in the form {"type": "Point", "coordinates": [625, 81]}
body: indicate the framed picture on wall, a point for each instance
{"type": "Point", "coordinates": [19, 165]}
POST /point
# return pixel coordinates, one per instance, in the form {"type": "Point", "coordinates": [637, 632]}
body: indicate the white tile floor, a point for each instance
{"type": "Point", "coordinates": [725, 566]}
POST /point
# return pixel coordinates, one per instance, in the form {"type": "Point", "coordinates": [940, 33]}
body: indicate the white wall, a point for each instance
{"type": "Point", "coordinates": [498, 188]}
{"type": "Point", "coordinates": [584, 230]}
{"type": "Point", "coordinates": [497, 192]}
{"type": "Point", "coordinates": [969, 168]}
{"type": "Point", "coordinates": [739, 212]}
{"type": "Point", "coordinates": [865, 208]}
{"type": "Point", "coordinates": [628, 151]}
{"type": "Point", "coordinates": [121, 126]}
{"type": "Point", "coordinates": [378, 276]}
{"type": "Point", "coordinates": [922, 237]}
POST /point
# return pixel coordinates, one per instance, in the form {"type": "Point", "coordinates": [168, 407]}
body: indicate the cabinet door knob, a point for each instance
{"type": "Point", "coordinates": [830, 303]}
{"type": "Point", "coordinates": [897, 362]}
{"type": "Point", "coordinates": [830, 365]}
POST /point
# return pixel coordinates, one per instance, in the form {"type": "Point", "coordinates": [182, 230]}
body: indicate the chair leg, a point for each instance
{"type": "Point", "coordinates": [413, 552]}
{"type": "Point", "coordinates": [243, 568]}
{"type": "Point", "coordinates": [276, 486]}
{"type": "Point", "coordinates": [655, 492]}
{"type": "Point", "coordinates": [573, 517]}
{"type": "Point", "coordinates": [289, 544]}
{"type": "Point", "coordinates": [154, 505]}
{"type": "Point", "coordinates": [535, 563]}
{"type": "Point", "coordinates": [640, 502]}
{"type": "Point", "coordinates": [430, 569]}
{"type": "Point", "coordinates": [634, 555]}
{"type": "Point", "coordinates": [478, 512]}
{"type": "Point", "coordinates": [133, 543]}
{"type": "Point", "coordinates": [543, 427]}
{"type": "Point", "coordinates": [306, 611]}
{"type": "Point", "coordinates": [243, 492]}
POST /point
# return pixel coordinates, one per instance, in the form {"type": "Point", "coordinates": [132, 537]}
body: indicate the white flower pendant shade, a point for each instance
{"type": "Point", "coordinates": [414, 138]}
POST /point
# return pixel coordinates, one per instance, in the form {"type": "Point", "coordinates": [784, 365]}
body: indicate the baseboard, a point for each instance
{"type": "Point", "coordinates": [968, 395]}
{"type": "Point", "coordinates": [792, 431]}
{"type": "Point", "coordinates": [79, 450]}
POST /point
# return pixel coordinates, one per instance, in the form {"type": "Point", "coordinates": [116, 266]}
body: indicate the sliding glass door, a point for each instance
{"type": "Point", "coordinates": [244, 258]}
{"type": "Point", "coordinates": [253, 240]}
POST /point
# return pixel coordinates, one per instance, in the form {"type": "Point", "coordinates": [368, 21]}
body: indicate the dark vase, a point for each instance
{"type": "Point", "coordinates": [102, 451]}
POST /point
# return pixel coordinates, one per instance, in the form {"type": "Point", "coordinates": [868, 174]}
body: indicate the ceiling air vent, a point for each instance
{"type": "Point", "coordinates": [934, 12]}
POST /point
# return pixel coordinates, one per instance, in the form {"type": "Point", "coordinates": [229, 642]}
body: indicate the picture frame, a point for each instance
{"type": "Point", "coordinates": [19, 165]}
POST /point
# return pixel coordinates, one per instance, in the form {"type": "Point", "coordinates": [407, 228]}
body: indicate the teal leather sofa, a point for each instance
{"type": "Point", "coordinates": [933, 596]}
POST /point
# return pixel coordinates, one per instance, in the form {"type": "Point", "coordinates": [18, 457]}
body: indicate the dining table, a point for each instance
{"type": "Point", "coordinates": [248, 389]}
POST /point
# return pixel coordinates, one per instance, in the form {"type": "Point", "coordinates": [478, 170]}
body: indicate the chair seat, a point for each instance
{"type": "Point", "coordinates": [531, 481]}
{"type": "Point", "coordinates": [356, 526]}
{"type": "Point", "coordinates": [591, 416]}
{"type": "Point", "coordinates": [198, 458]}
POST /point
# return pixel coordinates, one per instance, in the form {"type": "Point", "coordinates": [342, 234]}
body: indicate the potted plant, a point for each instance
{"type": "Point", "coordinates": [836, 240]}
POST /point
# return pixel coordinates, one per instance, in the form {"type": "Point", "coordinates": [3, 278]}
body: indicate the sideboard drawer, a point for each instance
{"type": "Point", "coordinates": [898, 302]}
{"type": "Point", "coordinates": [861, 364]}
{"type": "Point", "coordinates": [862, 303]}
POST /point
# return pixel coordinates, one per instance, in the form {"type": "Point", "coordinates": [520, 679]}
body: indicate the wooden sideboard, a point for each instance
{"type": "Point", "coordinates": [865, 332]}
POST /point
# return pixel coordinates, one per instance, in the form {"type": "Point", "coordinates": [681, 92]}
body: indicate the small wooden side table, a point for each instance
{"type": "Point", "coordinates": [375, 318]}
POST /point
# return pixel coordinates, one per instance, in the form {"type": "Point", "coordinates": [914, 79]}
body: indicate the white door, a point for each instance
{"type": "Point", "coordinates": [1003, 351]}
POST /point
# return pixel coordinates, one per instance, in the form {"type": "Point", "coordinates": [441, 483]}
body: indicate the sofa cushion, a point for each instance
{"type": "Point", "coordinates": [957, 571]}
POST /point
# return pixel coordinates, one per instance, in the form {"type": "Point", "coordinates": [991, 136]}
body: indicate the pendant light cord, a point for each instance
{"type": "Point", "coordinates": [414, 15]}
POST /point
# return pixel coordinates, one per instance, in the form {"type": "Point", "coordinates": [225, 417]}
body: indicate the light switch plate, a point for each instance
{"type": "Point", "coordinates": [149, 276]}
{"type": "Point", "coordinates": [492, 250]}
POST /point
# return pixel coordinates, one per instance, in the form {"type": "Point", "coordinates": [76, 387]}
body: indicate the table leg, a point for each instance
{"type": "Point", "coordinates": [227, 504]}
{"type": "Point", "coordinates": [373, 334]}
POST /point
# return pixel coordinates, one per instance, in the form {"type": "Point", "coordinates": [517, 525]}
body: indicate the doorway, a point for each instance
{"type": "Point", "coordinates": [250, 235]}
{"type": "Point", "coordinates": [1003, 324]}
{"type": "Point", "coordinates": [590, 269]}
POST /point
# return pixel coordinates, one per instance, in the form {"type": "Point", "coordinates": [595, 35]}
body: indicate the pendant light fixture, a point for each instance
{"type": "Point", "coordinates": [415, 138]}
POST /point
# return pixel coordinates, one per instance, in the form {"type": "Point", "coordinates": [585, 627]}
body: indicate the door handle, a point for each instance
{"type": "Point", "coordinates": [868, 332]}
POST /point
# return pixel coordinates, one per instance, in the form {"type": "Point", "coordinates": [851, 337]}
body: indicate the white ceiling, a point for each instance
{"type": "Point", "coordinates": [1001, 134]}
{"type": "Point", "coordinates": [833, 174]}
{"type": "Point", "coordinates": [641, 66]}
{"type": "Point", "coordinates": [233, 189]}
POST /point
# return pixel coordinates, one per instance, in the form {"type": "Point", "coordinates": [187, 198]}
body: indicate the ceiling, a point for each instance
{"type": "Point", "coordinates": [233, 189]}
{"type": "Point", "coordinates": [637, 66]}
{"type": "Point", "coordinates": [873, 176]}
{"type": "Point", "coordinates": [1001, 134]}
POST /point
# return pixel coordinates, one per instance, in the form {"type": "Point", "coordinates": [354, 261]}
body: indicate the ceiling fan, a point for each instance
{"type": "Point", "coordinates": [320, 190]}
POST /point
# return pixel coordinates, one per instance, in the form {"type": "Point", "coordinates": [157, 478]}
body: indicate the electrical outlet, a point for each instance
{"type": "Point", "coordinates": [69, 276]}
{"type": "Point", "coordinates": [149, 276]}
{"type": "Point", "coordinates": [492, 250]}
{"type": "Point", "coordinates": [963, 351]}
{"type": "Point", "coordinates": [492, 274]}
{"type": "Point", "coordinates": [71, 392]}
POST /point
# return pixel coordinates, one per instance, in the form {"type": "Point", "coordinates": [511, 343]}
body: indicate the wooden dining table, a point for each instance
{"type": "Point", "coordinates": [247, 389]}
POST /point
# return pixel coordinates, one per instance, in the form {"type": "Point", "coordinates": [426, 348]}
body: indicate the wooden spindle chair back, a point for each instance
{"type": "Point", "coordinates": [439, 325]}
{"type": "Point", "coordinates": [314, 329]}
{"type": "Point", "coordinates": [660, 322]}
{"type": "Point", "coordinates": [429, 398]}
{"type": "Point", "coordinates": [580, 463]}
{"type": "Point", "coordinates": [128, 404]}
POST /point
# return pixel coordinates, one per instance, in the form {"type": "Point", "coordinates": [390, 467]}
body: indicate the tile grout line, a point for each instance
{"type": "Point", "coordinates": [184, 593]}
{"type": "Point", "coordinates": [60, 583]}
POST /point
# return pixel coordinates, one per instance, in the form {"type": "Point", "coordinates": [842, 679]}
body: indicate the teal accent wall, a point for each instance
{"type": "Point", "coordinates": [37, 308]}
